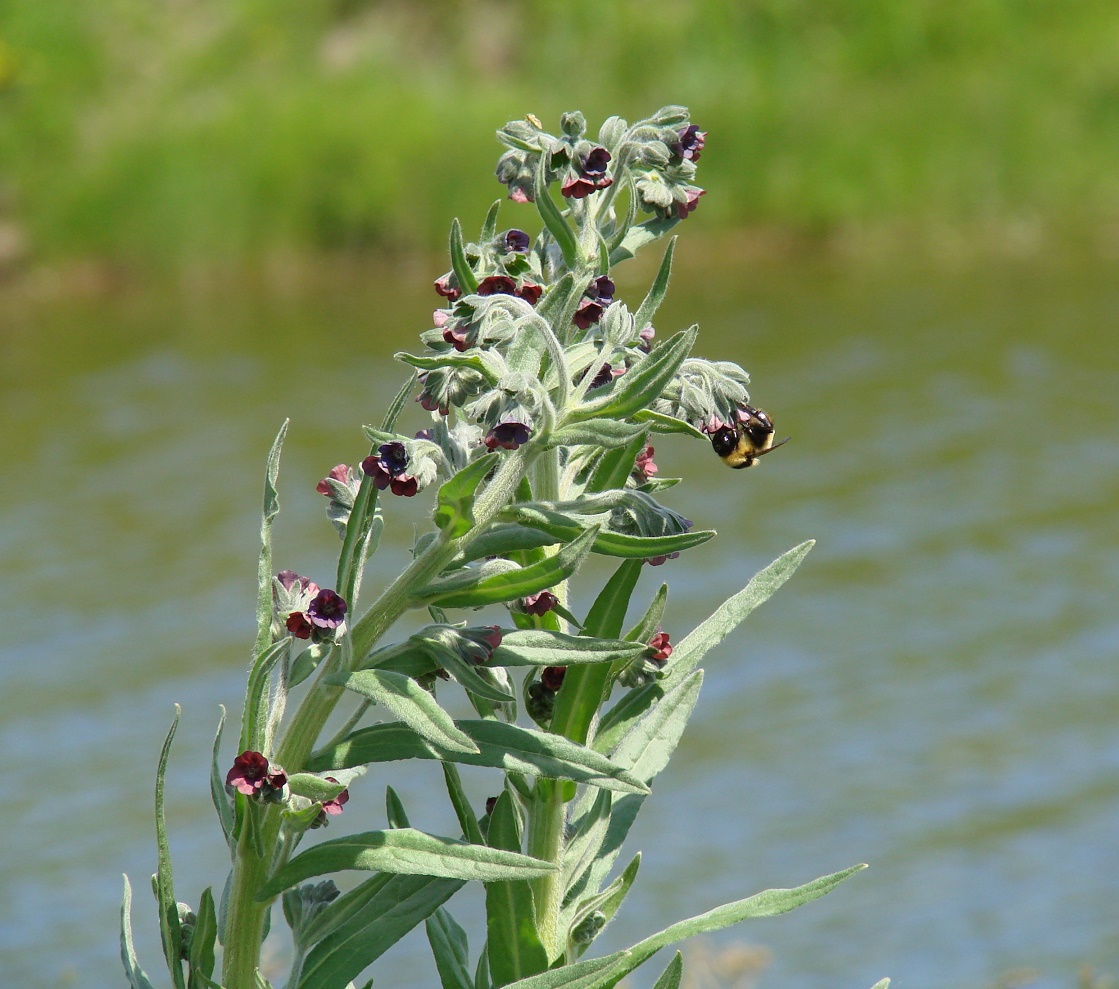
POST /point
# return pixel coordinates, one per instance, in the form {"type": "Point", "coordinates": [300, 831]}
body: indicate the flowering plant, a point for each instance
{"type": "Point", "coordinates": [543, 391]}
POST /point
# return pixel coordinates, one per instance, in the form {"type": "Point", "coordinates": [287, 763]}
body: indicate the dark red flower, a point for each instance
{"type": "Point", "coordinates": [684, 209]}
{"type": "Point", "coordinates": [646, 337]}
{"type": "Point", "coordinates": [340, 473]}
{"type": "Point", "coordinates": [251, 774]}
{"type": "Point", "coordinates": [458, 337]}
{"type": "Point", "coordinates": [497, 285]}
{"type": "Point", "coordinates": [491, 802]}
{"type": "Point", "coordinates": [531, 292]}
{"type": "Point", "coordinates": [552, 677]}
{"type": "Point", "coordinates": [507, 435]}
{"type": "Point", "coordinates": [515, 242]}
{"type": "Point", "coordinates": [404, 485]}
{"type": "Point", "coordinates": [599, 294]}
{"type": "Point", "coordinates": [326, 610]}
{"type": "Point", "coordinates": [661, 647]}
{"type": "Point", "coordinates": [644, 465]}
{"type": "Point", "coordinates": [335, 804]}
{"type": "Point", "coordinates": [298, 625]}
{"type": "Point", "coordinates": [539, 604]}
{"type": "Point", "coordinates": [444, 287]}
{"type": "Point", "coordinates": [656, 561]}
{"type": "Point", "coordinates": [390, 460]}
{"type": "Point", "coordinates": [590, 177]}
{"type": "Point", "coordinates": [691, 142]}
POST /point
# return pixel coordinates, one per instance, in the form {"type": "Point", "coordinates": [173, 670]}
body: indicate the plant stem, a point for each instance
{"type": "Point", "coordinates": [245, 920]}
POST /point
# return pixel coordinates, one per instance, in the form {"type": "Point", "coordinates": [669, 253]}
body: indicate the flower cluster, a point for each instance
{"type": "Point", "coordinates": [599, 295]}
{"type": "Point", "coordinates": [389, 469]}
{"type": "Point", "coordinates": [651, 666]}
{"type": "Point", "coordinates": [253, 775]}
{"type": "Point", "coordinates": [306, 611]}
{"type": "Point", "coordinates": [540, 695]}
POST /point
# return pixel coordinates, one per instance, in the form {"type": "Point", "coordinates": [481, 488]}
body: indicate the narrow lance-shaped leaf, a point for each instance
{"type": "Point", "coordinates": [453, 510]}
{"type": "Point", "coordinates": [615, 466]}
{"type": "Point", "coordinates": [360, 926]}
{"type": "Point", "coordinates": [450, 949]}
{"type": "Point", "coordinates": [169, 928]}
{"type": "Point", "coordinates": [550, 214]}
{"type": "Point", "coordinates": [670, 977]}
{"type": "Point", "coordinates": [708, 634]}
{"type": "Point", "coordinates": [202, 942]}
{"type": "Point", "coordinates": [503, 746]}
{"type": "Point", "coordinates": [514, 584]}
{"type": "Point", "coordinates": [394, 809]}
{"type": "Point", "coordinates": [489, 225]}
{"type": "Point", "coordinates": [404, 851]}
{"type": "Point", "coordinates": [644, 382]}
{"type": "Point", "coordinates": [512, 942]}
{"type": "Point", "coordinates": [540, 647]}
{"type": "Point", "coordinates": [412, 704]}
{"type": "Point", "coordinates": [463, 811]}
{"type": "Point", "coordinates": [137, 979]}
{"type": "Point", "coordinates": [256, 691]}
{"type": "Point", "coordinates": [660, 423]}
{"type": "Point", "coordinates": [608, 902]}
{"type": "Point", "coordinates": [608, 434]}
{"type": "Point", "coordinates": [222, 803]}
{"type": "Point", "coordinates": [459, 261]}
{"type": "Point", "coordinates": [264, 564]}
{"type": "Point", "coordinates": [648, 308]}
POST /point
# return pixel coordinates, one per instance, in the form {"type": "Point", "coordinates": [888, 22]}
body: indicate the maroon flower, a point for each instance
{"type": "Point", "coordinates": [327, 610]}
{"type": "Point", "coordinates": [335, 804]}
{"type": "Point", "coordinates": [646, 337]}
{"type": "Point", "coordinates": [444, 287]}
{"type": "Point", "coordinates": [507, 435]}
{"type": "Point", "coordinates": [531, 292]}
{"type": "Point", "coordinates": [391, 460]}
{"type": "Point", "coordinates": [656, 561]}
{"type": "Point", "coordinates": [691, 142]}
{"type": "Point", "coordinates": [606, 374]}
{"type": "Point", "coordinates": [539, 604]}
{"type": "Point", "coordinates": [599, 294]}
{"type": "Point", "coordinates": [405, 485]}
{"type": "Point", "coordinates": [487, 638]}
{"type": "Point", "coordinates": [515, 242]}
{"type": "Point", "coordinates": [497, 285]}
{"type": "Point", "coordinates": [341, 473]}
{"type": "Point", "coordinates": [661, 647]}
{"type": "Point", "coordinates": [684, 209]}
{"type": "Point", "coordinates": [491, 802]}
{"type": "Point", "coordinates": [590, 177]}
{"type": "Point", "coordinates": [552, 677]}
{"type": "Point", "coordinates": [644, 465]}
{"type": "Point", "coordinates": [251, 775]}
{"type": "Point", "coordinates": [298, 625]}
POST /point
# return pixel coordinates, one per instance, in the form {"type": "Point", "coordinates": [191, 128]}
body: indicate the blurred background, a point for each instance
{"type": "Point", "coordinates": [215, 214]}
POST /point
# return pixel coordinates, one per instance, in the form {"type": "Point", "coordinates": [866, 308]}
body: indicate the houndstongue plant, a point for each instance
{"type": "Point", "coordinates": [543, 391]}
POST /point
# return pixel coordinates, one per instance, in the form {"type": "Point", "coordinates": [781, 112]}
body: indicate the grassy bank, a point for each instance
{"type": "Point", "coordinates": [212, 131]}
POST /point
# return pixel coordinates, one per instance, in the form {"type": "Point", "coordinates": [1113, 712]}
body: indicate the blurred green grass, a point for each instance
{"type": "Point", "coordinates": [170, 134]}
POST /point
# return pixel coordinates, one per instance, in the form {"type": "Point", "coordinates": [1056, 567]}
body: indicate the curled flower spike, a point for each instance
{"type": "Point", "coordinates": [591, 176]}
{"type": "Point", "coordinates": [539, 604]}
{"type": "Point", "coordinates": [253, 775]}
{"type": "Point", "coordinates": [507, 435]}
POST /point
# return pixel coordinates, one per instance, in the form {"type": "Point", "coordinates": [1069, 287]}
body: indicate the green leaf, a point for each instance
{"type": "Point", "coordinates": [512, 942]}
{"type": "Point", "coordinates": [504, 746]}
{"type": "Point", "coordinates": [645, 629]}
{"type": "Point", "coordinates": [356, 539]}
{"type": "Point", "coordinates": [314, 787]}
{"type": "Point", "coordinates": [648, 308]}
{"type": "Point", "coordinates": [465, 813]}
{"type": "Point", "coordinates": [881, 984]}
{"type": "Point", "coordinates": [169, 929]}
{"type": "Point", "coordinates": [587, 974]}
{"type": "Point", "coordinates": [361, 925]}
{"type": "Point", "coordinates": [640, 235]}
{"type": "Point", "coordinates": [454, 508]}
{"type": "Point", "coordinates": [560, 302]}
{"type": "Point", "coordinates": [708, 634]}
{"type": "Point", "coordinates": [264, 563]}
{"type": "Point", "coordinates": [539, 647]}
{"type": "Point", "coordinates": [645, 750]}
{"type": "Point", "coordinates": [460, 263]}
{"type": "Point", "coordinates": [661, 423]}
{"type": "Point", "coordinates": [580, 850]}
{"type": "Point", "coordinates": [504, 540]}
{"type": "Point", "coordinates": [552, 217]}
{"type": "Point", "coordinates": [137, 979]}
{"type": "Point", "coordinates": [607, 543]}
{"type": "Point", "coordinates": [768, 903]}
{"type": "Point", "coordinates": [582, 691]}
{"type": "Point", "coordinates": [643, 383]}
{"type": "Point", "coordinates": [256, 694]}
{"type": "Point", "coordinates": [394, 809]}
{"type": "Point", "coordinates": [307, 662]}
{"type": "Point", "coordinates": [608, 902]}
{"type": "Point", "coordinates": [476, 680]}
{"type": "Point", "coordinates": [404, 851]}
{"type": "Point", "coordinates": [483, 362]}
{"type": "Point", "coordinates": [222, 804]}
{"type": "Point", "coordinates": [409, 701]}
{"type": "Point", "coordinates": [514, 584]}
{"type": "Point", "coordinates": [608, 434]}
{"type": "Point", "coordinates": [452, 953]}
{"type": "Point", "coordinates": [670, 977]}
{"type": "Point", "coordinates": [202, 942]}
{"type": "Point", "coordinates": [615, 466]}
{"type": "Point", "coordinates": [489, 225]}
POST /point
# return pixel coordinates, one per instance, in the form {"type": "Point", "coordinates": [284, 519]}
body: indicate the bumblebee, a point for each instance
{"type": "Point", "coordinates": [739, 445]}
